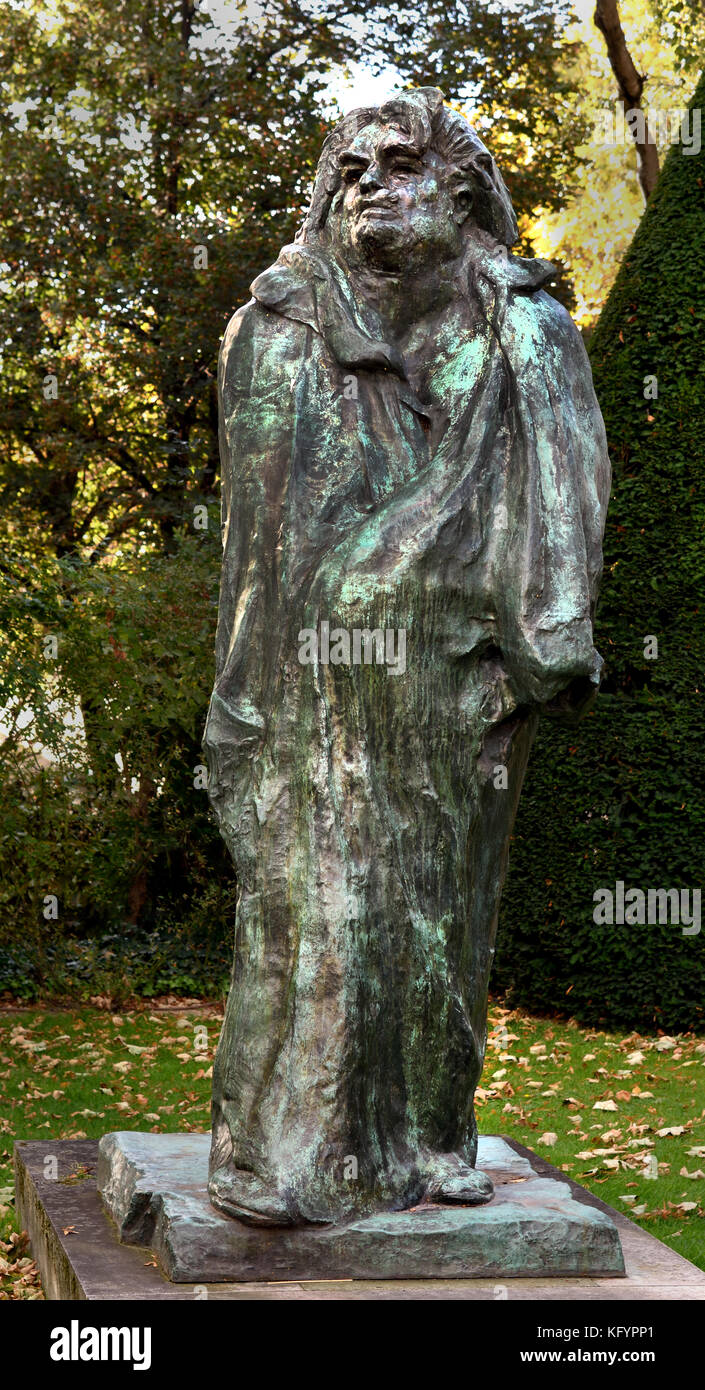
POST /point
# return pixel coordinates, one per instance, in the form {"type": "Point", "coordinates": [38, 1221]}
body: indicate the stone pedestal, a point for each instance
{"type": "Point", "coordinates": [154, 1188]}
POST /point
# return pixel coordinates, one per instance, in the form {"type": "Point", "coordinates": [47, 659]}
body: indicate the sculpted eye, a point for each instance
{"type": "Point", "coordinates": [351, 173]}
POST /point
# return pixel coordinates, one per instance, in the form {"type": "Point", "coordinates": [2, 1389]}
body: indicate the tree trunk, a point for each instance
{"type": "Point", "coordinates": [630, 85]}
{"type": "Point", "coordinates": [139, 885]}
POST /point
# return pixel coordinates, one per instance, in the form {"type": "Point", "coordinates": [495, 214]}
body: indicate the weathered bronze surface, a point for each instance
{"type": "Point", "coordinates": [411, 444]}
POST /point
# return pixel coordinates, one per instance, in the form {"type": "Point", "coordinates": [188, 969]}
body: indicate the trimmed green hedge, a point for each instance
{"type": "Point", "coordinates": [621, 798]}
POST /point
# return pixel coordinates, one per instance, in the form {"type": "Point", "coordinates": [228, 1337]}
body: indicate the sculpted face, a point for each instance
{"type": "Point", "coordinates": [398, 208]}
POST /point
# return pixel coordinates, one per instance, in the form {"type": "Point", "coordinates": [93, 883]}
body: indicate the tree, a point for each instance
{"type": "Point", "coordinates": [113, 830]}
{"type": "Point", "coordinates": [150, 163]}
{"type": "Point", "coordinates": [630, 85]}
{"type": "Point", "coordinates": [153, 161]}
{"type": "Point", "coordinates": [591, 233]}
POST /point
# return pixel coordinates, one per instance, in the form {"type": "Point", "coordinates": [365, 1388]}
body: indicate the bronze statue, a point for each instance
{"type": "Point", "coordinates": [410, 445]}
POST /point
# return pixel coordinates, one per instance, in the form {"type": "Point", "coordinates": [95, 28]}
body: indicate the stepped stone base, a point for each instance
{"type": "Point", "coordinates": [154, 1188]}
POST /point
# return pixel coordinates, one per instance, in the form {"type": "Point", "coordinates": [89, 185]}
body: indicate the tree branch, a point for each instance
{"type": "Point", "coordinates": [630, 85]}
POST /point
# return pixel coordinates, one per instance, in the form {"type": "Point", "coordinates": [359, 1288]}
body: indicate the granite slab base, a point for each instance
{"type": "Point", "coordinates": [154, 1188]}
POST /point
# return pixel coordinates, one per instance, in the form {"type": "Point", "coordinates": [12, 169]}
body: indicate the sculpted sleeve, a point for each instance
{"type": "Point", "coordinates": [558, 484]}
{"type": "Point", "coordinates": [259, 361]}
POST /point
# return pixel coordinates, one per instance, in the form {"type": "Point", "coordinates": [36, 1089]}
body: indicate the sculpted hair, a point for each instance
{"type": "Point", "coordinates": [430, 125]}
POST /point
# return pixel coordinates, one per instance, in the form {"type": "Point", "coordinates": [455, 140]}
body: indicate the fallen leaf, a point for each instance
{"type": "Point", "coordinates": [549, 1138]}
{"type": "Point", "coordinates": [605, 1105]}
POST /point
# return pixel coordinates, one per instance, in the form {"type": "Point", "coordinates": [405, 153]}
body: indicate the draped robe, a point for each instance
{"type": "Point", "coordinates": [460, 496]}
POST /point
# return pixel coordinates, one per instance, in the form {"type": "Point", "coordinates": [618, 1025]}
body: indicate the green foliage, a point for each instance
{"type": "Point", "coordinates": [507, 66]}
{"type": "Point", "coordinates": [683, 25]}
{"type": "Point", "coordinates": [103, 807]}
{"type": "Point", "coordinates": [621, 798]}
{"type": "Point", "coordinates": [134, 138]}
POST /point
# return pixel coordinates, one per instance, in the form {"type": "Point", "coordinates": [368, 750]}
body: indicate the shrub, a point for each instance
{"type": "Point", "coordinates": [621, 797]}
{"type": "Point", "coordinates": [105, 809]}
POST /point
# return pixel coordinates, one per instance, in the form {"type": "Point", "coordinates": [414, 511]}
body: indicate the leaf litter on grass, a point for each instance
{"type": "Point", "coordinates": [624, 1116]}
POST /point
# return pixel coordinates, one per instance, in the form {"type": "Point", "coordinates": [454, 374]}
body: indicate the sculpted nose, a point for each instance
{"type": "Point", "coordinates": [371, 179]}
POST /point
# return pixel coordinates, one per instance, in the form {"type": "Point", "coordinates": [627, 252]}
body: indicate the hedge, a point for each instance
{"type": "Point", "coordinates": [620, 798]}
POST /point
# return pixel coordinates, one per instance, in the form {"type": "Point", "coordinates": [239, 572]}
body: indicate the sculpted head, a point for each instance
{"type": "Point", "coordinates": [398, 205]}
{"type": "Point", "coordinates": [400, 186]}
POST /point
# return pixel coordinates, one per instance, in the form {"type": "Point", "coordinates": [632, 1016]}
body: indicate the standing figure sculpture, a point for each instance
{"type": "Point", "coordinates": [411, 446]}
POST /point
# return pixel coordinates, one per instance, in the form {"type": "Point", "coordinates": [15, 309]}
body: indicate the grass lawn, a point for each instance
{"type": "Point", "coordinates": [625, 1116]}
